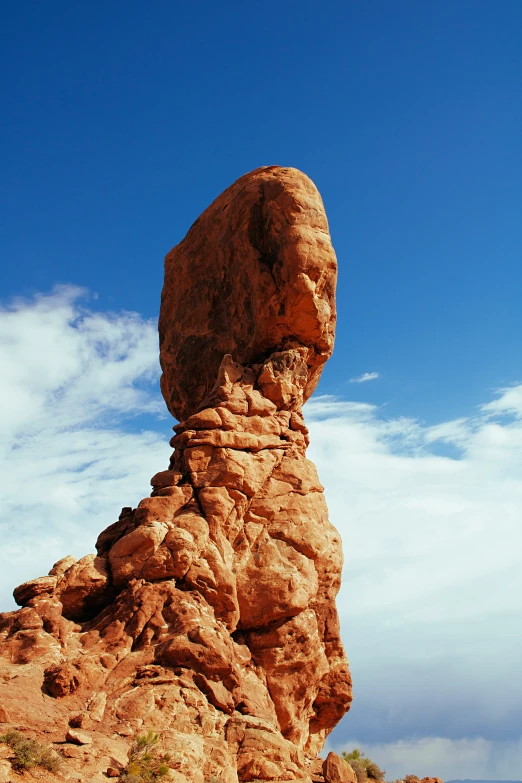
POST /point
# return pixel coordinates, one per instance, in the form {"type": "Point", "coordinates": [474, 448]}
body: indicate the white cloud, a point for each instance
{"type": "Point", "coordinates": [366, 376]}
{"type": "Point", "coordinates": [430, 603]}
{"type": "Point", "coordinates": [71, 380]}
{"type": "Point", "coordinates": [509, 401]}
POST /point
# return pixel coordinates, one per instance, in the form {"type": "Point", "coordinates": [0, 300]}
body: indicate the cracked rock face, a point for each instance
{"type": "Point", "coordinates": [208, 613]}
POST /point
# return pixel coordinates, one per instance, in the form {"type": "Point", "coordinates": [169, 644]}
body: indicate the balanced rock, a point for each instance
{"type": "Point", "coordinates": [208, 614]}
{"type": "Point", "coordinates": [255, 275]}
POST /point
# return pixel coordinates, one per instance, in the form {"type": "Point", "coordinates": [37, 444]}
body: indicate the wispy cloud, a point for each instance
{"type": "Point", "coordinates": [71, 381]}
{"type": "Point", "coordinates": [508, 402]}
{"type": "Point", "coordinates": [366, 376]}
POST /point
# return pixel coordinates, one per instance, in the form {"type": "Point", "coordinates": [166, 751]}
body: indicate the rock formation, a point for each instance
{"type": "Point", "coordinates": [208, 613]}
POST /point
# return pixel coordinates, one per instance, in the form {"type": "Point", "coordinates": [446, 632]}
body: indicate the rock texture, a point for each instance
{"type": "Point", "coordinates": [255, 275]}
{"type": "Point", "coordinates": [208, 613]}
{"type": "Point", "coordinates": [337, 770]}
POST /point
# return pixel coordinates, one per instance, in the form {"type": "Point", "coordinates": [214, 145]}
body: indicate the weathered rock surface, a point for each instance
{"type": "Point", "coordinates": [208, 613]}
{"type": "Point", "coordinates": [255, 275]}
{"type": "Point", "coordinates": [337, 770]}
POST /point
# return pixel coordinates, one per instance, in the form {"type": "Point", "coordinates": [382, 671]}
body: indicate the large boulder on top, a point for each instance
{"type": "Point", "coordinates": [255, 274]}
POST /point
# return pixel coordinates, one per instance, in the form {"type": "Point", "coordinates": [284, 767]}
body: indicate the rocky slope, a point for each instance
{"type": "Point", "coordinates": [209, 612]}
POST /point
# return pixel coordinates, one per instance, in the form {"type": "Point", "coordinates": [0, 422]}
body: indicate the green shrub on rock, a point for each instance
{"type": "Point", "coordinates": [146, 762]}
{"type": "Point", "coordinates": [365, 769]}
{"type": "Point", "coordinates": [28, 753]}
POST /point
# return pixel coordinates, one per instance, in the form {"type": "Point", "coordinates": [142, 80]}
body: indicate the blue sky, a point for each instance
{"type": "Point", "coordinates": [122, 121]}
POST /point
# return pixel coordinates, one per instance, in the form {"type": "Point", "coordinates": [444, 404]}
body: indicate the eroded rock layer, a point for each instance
{"type": "Point", "coordinates": [208, 613]}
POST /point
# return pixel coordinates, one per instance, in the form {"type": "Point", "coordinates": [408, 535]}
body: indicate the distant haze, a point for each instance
{"type": "Point", "coordinates": [466, 780]}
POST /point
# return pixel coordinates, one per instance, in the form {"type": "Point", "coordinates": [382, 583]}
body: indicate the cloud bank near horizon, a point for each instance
{"type": "Point", "coordinates": [430, 517]}
{"type": "Point", "coordinates": [430, 599]}
{"type": "Point", "coordinates": [451, 759]}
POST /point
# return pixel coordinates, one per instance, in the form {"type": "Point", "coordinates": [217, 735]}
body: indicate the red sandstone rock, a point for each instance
{"type": "Point", "coordinates": [337, 770]}
{"type": "Point", "coordinates": [209, 612]}
{"type": "Point", "coordinates": [34, 588]}
{"type": "Point", "coordinates": [257, 272]}
{"type": "Point", "coordinates": [78, 737]}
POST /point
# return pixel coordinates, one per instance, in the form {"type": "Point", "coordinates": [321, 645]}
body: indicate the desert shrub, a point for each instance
{"type": "Point", "coordinates": [411, 779]}
{"type": "Point", "coordinates": [146, 762]}
{"type": "Point", "coordinates": [355, 755]}
{"type": "Point", "coordinates": [360, 770]}
{"type": "Point", "coordinates": [29, 753]}
{"type": "Point", "coordinates": [373, 771]}
{"type": "Point", "coordinates": [355, 760]}
{"type": "Point", "coordinates": [365, 769]}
